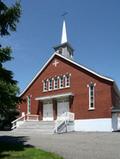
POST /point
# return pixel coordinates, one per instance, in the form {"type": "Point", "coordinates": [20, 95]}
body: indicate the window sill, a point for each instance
{"type": "Point", "coordinates": [66, 86]}
{"type": "Point", "coordinates": [91, 109]}
{"type": "Point", "coordinates": [63, 87]}
{"type": "Point", "coordinates": [55, 89]}
{"type": "Point", "coordinates": [45, 90]}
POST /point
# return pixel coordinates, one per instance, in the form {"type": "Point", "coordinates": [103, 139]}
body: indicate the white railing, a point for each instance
{"type": "Point", "coordinates": [31, 117]}
{"type": "Point", "coordinates": [19, 121]}
{"type": "Point", "coordinates": [64, 123]}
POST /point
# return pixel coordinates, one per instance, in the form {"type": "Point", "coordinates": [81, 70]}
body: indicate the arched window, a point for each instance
{"type": "Point", "coordinates": [56, 83]}
{"type": "Point", "coordinates": [45, 85]}
{"type": "Point", "coordinates": [67, 80]}
{"type": "Point", "coordinates": [61, 81]}
{"type": "Point", "coordinates": [91, 96]}
{"type": "Point", "coordinates": [50, 84]}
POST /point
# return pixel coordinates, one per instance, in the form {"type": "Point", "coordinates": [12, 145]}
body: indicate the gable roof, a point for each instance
{"type": "Point", "coordinates": [72, 62]}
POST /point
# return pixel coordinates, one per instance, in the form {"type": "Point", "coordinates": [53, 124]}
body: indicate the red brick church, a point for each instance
{"type": "Point", "coordinates": [62, 86]}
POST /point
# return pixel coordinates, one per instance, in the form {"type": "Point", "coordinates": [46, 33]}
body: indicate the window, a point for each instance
{"type": "Point", "coordinates": [91, 96]}
{"type": "Point", "coordinates": [45, 85]}
{"type": "Point", "coordinates": [28, 104]}
{"type": "Point", "coordinates": [61, 82]}
{"type": "Point", "coordinates": [50, 84]}
{"type": "Point", "coordinates": [56, 83]}
{"type": "Point", "coordinates": [67, 81]}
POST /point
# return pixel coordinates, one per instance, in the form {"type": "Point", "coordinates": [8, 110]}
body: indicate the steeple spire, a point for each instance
{"type": "Point", "coordinates": [64, 33]}
{"type": "Point", "coordinates": [64, 48]}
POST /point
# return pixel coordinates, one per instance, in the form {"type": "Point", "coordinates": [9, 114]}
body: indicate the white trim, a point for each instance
{"type": "Point", "coordinates": [54, 96]}
{"type": "Point", "coordinates": [103, 77]}
{"type": "Point", "coordinates": [93, 125]}
{"type": "Point", "coordinates": [91, 108]}
{"type": "Point", "coordinates": [38, 73]}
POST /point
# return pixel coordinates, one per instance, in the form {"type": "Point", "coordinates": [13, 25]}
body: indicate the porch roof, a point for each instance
{"type": "Point", "coordinates": [54, 96]}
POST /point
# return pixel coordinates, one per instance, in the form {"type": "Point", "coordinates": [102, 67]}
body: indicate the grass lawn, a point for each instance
{"type": "Point", "coordinates": [18, 151]}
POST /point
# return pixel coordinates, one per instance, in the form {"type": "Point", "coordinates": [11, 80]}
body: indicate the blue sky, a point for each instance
{"type": "Point", "coordinates": [93, 28]}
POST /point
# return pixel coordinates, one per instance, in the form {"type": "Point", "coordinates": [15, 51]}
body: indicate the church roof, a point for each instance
{"type": "Point", "coordinates": [72, 62]}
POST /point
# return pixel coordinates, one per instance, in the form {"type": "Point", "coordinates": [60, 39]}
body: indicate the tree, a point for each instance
{"type": "Point", "coordinates": [9, 17]}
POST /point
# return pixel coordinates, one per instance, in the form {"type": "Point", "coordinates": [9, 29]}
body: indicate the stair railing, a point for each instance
{"type": "Point", "coordinates": [19, 121]}
{"type": "Point", "coordinates": [63, 121]}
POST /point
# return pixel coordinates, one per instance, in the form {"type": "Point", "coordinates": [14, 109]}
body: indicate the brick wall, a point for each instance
{"type": "Point", "coordinates": [79, 81]}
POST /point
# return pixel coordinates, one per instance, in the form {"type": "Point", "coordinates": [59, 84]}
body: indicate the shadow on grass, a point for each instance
{"type": "Point", "coordinates": [12, 143]}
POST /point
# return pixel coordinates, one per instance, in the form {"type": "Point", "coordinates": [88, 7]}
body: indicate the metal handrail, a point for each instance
{"type": "Point", "coordinates": [14, 123]}
{"type": "Point", "coordinates": [63, 120]}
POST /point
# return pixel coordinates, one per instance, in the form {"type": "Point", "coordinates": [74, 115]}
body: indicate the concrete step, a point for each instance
{"type": "Point", "coordinates": [36, 126]}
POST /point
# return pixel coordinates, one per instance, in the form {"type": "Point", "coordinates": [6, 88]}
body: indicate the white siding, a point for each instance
{"type": "Point", "coordinates": [101, 125]}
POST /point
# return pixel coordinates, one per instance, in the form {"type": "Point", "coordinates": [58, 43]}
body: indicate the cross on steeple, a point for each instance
{"type": "Point", "coordinates": [64, 14]}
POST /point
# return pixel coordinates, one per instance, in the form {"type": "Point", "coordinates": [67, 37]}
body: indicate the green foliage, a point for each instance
{"type": "Point", "coordinates": [18, 151]}
{"type": "Point", "coordinates": [9, 17]}
{"type": "Point", "coordinates": [5, 54]}
{"type": "Point", "coordinates": [6, 75]}
{"type": "Point", "coordinates": [8, 97]}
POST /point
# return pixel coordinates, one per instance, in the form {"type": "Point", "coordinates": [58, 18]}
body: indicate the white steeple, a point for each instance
{"type": "Point", "coordinates": [64, 33]}
{"type": "Point", "coordinates": [64, 48]}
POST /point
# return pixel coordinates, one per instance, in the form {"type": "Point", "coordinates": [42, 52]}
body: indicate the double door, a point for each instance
{"type": "Point", "coordinates": [48, 111]}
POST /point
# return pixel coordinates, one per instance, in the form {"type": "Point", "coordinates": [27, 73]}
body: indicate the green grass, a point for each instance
{"type": "Point", "coordinates": [18, 151]}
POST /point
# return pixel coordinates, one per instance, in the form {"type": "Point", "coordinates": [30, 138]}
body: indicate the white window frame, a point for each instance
{"type": "Point", "coordinates": [45, 86]}
{"type": "Point", "coordinates": [61, 81]}
{"type": "Point", "coordinates": [50, 85]}
{"type": "Point", "coordinates": [67, 80]}
{"type": "Point", "coordinates": [56, 81]}
{"type": "Point", "coordinates": [90, 96]}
